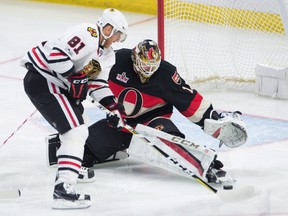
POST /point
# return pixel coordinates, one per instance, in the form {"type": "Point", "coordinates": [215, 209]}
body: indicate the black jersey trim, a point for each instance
{"type": "Point", "coordinates": [99, 80]}
{"type": "Point", "coordinates": [92, 91]}
{"type": "Point", "coordinates": [63, 59]}
{"type": "Point", "coordinates": [70, 157]}
{"type": "Point", "coordinates": [36, 65]}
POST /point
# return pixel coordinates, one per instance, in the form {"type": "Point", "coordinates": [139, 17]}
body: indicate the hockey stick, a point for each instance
{"type": "Point", "coordinates": [19, 127]}
{"type": "Point", "coordinates": [13, 193]}
{"type": "Point", "coordinates": [9, 193]}
{"type": "Point", "coordinates": [174, 162]}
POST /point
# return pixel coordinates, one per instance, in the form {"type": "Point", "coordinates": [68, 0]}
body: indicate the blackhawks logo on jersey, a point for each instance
{"type": "Point", "coordinates": [92, 31]}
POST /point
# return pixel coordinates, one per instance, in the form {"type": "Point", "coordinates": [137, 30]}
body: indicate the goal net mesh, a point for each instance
{"type": "Point", "coordinates": [221, 42]}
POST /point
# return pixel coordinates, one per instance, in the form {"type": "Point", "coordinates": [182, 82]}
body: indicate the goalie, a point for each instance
{"type": "Point", "coordinates": [149, 88]}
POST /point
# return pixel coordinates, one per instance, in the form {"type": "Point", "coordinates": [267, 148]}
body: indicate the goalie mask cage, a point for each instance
{"type": "Point", "coordinates": [219, 43]}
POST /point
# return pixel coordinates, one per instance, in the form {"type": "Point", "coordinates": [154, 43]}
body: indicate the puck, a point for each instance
{"type": "Point", "coordinates": [227, 187]}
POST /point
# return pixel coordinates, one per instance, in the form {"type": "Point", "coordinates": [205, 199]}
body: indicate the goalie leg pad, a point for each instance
{"type": "Point", "coordinates": [197, 158]}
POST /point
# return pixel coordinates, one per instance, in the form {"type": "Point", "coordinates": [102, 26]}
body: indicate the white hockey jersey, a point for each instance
{"type": "Point", "coordinates": [70, 53]}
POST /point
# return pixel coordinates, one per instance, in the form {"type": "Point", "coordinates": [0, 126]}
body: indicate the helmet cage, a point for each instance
{"type": "Point", "coordinates": [146, 58]}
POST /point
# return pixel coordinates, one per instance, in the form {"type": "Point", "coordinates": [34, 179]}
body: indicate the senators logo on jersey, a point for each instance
{"type": "Point", "coordinates": [92, 31]}
{"type": "Point", "coordinates": [176, 78]}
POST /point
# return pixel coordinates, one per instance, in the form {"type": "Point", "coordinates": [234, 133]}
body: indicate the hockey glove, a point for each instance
{"type": "Point", "coordinates": [79, 86]}
{"type": "Point", "coordinates": [116, 118]}
{"type": "Point", "coordinates": [229, 129]}
{"type": "Point", "coordinates": [92, 69]}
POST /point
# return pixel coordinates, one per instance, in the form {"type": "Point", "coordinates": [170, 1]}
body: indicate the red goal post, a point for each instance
{"type": "Point", "coordinates": [160, 15]}
{"type": "Point", "coordinates": [221, 42]}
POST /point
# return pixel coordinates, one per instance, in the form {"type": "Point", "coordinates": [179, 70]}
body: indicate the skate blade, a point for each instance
{"type": "Point", "coordinates": [68, 204]}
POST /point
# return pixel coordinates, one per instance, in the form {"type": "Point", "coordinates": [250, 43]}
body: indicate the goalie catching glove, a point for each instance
{"type": "Point", "coordinates": [228, 128]}
{"type": "Point", "coordinates": [79, 86]}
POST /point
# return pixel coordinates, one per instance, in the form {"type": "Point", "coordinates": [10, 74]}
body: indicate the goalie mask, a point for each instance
{"type": "Point", "coordinates": [146, 57]}
{"type": "Point", "coordinates": [117, 20]}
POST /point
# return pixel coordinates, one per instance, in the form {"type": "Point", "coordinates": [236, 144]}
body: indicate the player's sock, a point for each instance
{"type": "Point", "coordinates": [53, 144]}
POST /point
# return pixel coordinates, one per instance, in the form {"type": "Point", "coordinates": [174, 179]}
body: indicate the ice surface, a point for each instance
{"type": "Point", "coordinates": [129, 187]}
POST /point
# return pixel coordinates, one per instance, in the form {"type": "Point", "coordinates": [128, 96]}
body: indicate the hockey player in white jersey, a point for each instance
{"type": "Point", "coordinates": [61, 73]}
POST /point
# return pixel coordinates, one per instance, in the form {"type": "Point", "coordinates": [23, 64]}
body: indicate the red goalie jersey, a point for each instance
{"type": "Point", "coordinates": [165, 90]}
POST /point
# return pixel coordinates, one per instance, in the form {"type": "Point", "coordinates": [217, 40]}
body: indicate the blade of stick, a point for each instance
{"type": "Point", "coordinates": [9, 193]}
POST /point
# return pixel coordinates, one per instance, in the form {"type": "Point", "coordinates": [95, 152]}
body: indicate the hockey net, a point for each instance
{"type": "Point", "coordinates": [219, 43]}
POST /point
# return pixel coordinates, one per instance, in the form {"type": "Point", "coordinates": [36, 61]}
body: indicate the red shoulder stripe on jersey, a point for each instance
{"type": "Point", "coordinates": [38, 58]}
{"type": "Point", "coordinates": [194, 105]}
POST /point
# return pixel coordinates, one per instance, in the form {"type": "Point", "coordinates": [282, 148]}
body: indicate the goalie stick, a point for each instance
{"type": "Point", "coordinates": [225, 195]}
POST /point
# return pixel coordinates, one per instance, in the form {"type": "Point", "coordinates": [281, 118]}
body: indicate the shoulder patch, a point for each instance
{"type": "Point", "coordinates": [122, 77]}
{"type": "Point", "coordinates": [92, 31]}
{"type": "Point", "coordinates": [176, 78]}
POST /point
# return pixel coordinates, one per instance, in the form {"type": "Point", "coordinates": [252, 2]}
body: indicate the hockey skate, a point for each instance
{"type": "Point", "coordinates": [65, 197]}
{"type": "Point", "coordinates": [53, 143]}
